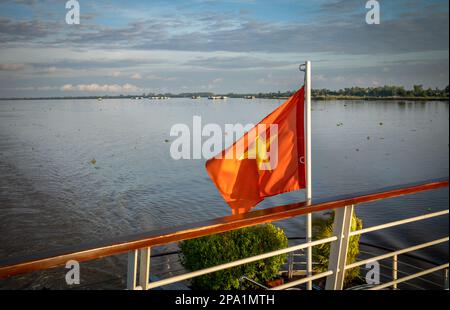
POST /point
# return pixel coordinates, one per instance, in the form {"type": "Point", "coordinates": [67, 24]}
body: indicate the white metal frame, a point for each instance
{"type": "Point", "coordinates": [240, 262]}
{"type": "Point", "coordinates": [337, 267]}
{"type": "Point", "coordinates": [144, 274]}
{"type": "Point", "coordinates": [132, 269]}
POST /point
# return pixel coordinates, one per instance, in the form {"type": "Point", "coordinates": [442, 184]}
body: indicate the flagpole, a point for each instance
{"type": "Point", "coordinates": [308, 168]}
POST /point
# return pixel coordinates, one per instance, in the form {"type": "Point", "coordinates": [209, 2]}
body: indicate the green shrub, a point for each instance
{"type": "Point", "coordinates": [321, 253]}
{"type": "Point", "coordinates": [226, 247]}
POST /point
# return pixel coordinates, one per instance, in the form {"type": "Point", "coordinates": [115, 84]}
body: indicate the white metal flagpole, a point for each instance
{"type": "Point", "coordinates": [308, 168]}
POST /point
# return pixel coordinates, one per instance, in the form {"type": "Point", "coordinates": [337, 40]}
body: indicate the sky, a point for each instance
{"type": "Point", "coordinates": [219, 46]}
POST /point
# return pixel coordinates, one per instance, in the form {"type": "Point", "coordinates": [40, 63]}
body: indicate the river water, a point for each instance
{"type": "Point", "coordinates": [77, 171]}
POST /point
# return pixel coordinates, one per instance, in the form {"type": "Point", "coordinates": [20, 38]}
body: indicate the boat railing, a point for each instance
{"type": "Point", "coordinates": [139, 246]}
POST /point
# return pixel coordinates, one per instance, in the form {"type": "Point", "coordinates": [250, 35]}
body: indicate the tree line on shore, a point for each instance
{"type": "Point", "coordinates": [418, 91]}
{"type": "Point", "coordinates": [385, 91]}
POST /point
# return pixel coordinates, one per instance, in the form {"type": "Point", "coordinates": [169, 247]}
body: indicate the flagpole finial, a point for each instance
{"type": "Point", "coordinates": [302, 67]}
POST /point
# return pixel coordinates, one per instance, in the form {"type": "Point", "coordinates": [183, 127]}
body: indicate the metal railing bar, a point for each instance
{"type": "Point", "coordinates": [424, 280]}
{"type": "Point", "coordinates": [397, 223]}
{"type": "Point", "coordinates": [407, 273]}
{"type": "Point", "coordinates": [302, 263]}
{"type": "Point", "coordinates": [415, 286]}
{"type": "Point", "coordinates": [410, 265]}
{"type": "Point", "coordinates": [165, 254]}
{"type": "Point", "coordinates": [383, 275]}
{"type": "Point", "coordinates": [241, 279]}
{"type": "Point", "coordinates": [81, 253]}
{"type": "Point", "coordinates": [198, 273]}
{"type": "Point", "coordinates": [170, 273]}
{"type": "Point", "coordinates": [302, 281]}
{"type": "Point", "coordinates": [398, 270]}
{"type": "Point", "coordinates": [399, 252]}
{"type": "Point", "coordinates": [384, 266]}
{"type": "Point", "coordinates": [389, 267]}
{"type": "Point", "coordinates": [410, 255]}
{"type": "Point", "coordinates": [417, 268]}
{"type": "Point", "coordinates": [411, 277]}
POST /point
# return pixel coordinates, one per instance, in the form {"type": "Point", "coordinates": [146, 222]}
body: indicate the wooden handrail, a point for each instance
{"type": "Point", "coordinates": [56, 258]}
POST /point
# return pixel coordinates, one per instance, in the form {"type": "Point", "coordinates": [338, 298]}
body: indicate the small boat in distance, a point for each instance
{"type": "Point", "coordinates": [217, 97]}
{"type": "Point", "coordinates": [159, 98]}
{"type": "Point", "coordinates": [196, 97]}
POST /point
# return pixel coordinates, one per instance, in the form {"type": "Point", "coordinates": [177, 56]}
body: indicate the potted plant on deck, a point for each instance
{"type": "Point", "coordinates": [234, 245]}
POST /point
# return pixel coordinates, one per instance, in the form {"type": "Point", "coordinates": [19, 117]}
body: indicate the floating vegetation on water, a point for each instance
{"type": "Point", "coordinates": [340, 124]}
{"type": "Point", "coordinates": [94, 161]}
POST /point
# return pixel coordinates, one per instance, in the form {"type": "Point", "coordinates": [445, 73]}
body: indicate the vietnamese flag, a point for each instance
{"type": "Point", "coordinates": [268, 160]}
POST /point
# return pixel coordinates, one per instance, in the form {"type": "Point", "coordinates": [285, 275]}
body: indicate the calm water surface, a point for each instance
{"type": "Point", "coordinates": [51, 195]}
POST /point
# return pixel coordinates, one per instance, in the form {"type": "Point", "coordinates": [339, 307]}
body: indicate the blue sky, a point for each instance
{"type": "Point", "coordinates": [218, 46]}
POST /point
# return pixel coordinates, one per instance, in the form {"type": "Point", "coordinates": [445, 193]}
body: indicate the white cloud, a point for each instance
{"type": "Point", "coordinates": [92, 88]}
{"type": "Point", "coordinates": [51, 70]}
{"type": "Point", "coordinates": [68, 87]}
{"type": "Point", "coordinates": [136, 76]}
{"type": "Point", "coordinates": [46, 88]}
{"type": "Point", "coordinates": [129, 88]}
{"type": "Point", "coordinates": [160, 78]}
{"type": "Point", "coordinates": [320, 78]}
{"type": "Point", "coordinates": [11, 67]}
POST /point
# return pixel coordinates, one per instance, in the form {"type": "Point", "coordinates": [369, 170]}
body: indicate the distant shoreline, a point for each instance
{"type": "Point", "coordinates": [325, 98]}
{"type": "Point", "coordinates": [316, 98]}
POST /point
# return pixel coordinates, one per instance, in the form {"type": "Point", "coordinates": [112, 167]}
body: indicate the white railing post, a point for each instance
{"type": "Point", "coordinates": [395, 271]}
{"type": "Point", "coordinates": [144, 268]}
{"type": "Point", "coordinates": [338, 252]}
{"type": "Point", "coordinates": [290, 265]}
{"type": "Point", "coordinates": [132, 270]}
{"type": "Point", "coordinates": [446, 279]}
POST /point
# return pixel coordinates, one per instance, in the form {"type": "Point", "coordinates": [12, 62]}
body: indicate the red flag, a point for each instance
{"type": "Point", "coordinates": [268, 160]}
